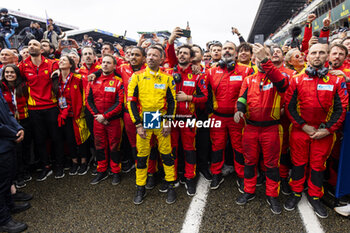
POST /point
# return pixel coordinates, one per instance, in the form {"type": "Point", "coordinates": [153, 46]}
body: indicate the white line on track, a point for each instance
{"type": "Point", "coordinates": [310, 220]}
{"type": "Point", "coordinates": [195, 211]}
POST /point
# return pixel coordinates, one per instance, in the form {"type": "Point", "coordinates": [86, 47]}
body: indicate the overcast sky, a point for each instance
{"type": "Point", "coordinates": [208, 20]}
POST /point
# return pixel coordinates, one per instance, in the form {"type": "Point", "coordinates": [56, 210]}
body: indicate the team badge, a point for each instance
{"type": "Point", "coordinates": [111, 83]}
{"type": "Point", "coordinates": [325, 79]}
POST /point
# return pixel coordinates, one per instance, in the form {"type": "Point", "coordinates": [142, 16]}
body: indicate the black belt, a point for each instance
{"type": "Point", "coordinates": [223, 114]}
{"type": "Point", "coordinates": [263, 123]}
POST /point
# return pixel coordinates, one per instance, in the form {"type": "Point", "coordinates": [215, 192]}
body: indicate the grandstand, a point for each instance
{"type": "Point", "coordinates": [276, 26]}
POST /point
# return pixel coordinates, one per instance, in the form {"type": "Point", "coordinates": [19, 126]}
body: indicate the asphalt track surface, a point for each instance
{"type": "Point", "coordinates": [71, 204]}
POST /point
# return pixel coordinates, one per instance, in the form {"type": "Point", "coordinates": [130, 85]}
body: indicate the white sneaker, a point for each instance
{"type": "Point", "coordinates": [343, 210]}
{"type": "Point", "coordinates": [226, 170]}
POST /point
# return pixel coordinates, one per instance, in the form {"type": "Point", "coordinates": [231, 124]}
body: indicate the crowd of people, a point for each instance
{"type": "Point", "coordinates": [275, 116]}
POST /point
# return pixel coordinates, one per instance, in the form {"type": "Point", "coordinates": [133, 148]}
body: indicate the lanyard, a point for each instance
{"type": "Point", "coordinates": [65, 84]}
{"type": "Point", "coordinates": [13, 97]}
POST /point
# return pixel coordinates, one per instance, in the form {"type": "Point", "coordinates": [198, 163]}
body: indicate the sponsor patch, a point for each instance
{"type": "Point", "coordinates": [236, 78]}
{"type": "Point", "coordinates": [219, 72]}
{"type": "Point", "coordinates": [267, 87]}
{"type": "Point", "coordinates": [159, 86]}
{"type": "Point", "coordinates": [109, 89]}
{"type": "Point", "coordinates": [189, 83]}
{"type": "Point", "coordinates": [325, 87]}
{"type": "Point", "coordinates": [308, 79]}
{"type": "Point", "coordinates": [343, 85]}
{"type": "Point", "coordinates": [111, 83]}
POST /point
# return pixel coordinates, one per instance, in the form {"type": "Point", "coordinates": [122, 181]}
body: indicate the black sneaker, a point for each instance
{"type": "Point", "coordinates": [13, 226]}
{"type": "Point", "coordinates": [127, 166]}
{"type": "Point", "coordinates": [27, 177]}
{"type": "Point", "coordinates": [99, 177]}
{"type": "Point", "coordinates": [83, 169]}
{"type": "Point", "coordinates": [285, 188]}
{"type": "Point", "coordinates": [240, 184]}
{"type": "Point", "coordinates": [163, 187]}
{"type": "Point", "coordinates": [140, 195]}
{"type": "Point", "coordinates": [216, 181]}
{"type": "Point", "coordinates": [171, 197]}
{"type": "Point", "coordinates": [151, 181]}
{"type": "Point", "coordinates": [115, 179]}
{"type": "Point", "coordinates": [73, 169]}
{"type": "Point", "coordinates": [20, 183]}
{"type": "Point", "coordinates": [21, 196]}
{"type": "Point", "coordinates": [59, 173]}
{"type": "Point", "coordinates": [20, 207]}
{"type": "Point", "coordinates": [206, 174]}
{"type": "Point", "coordinates": [274, 204]}
{"type": "Point", "coordinates": [191, 187]}
{"type": "Point", "coordinates": [182, 180]}
{"type": "Point", "coordinates": [46, 172]}
{"type": "Point", "coordinates": [292, 201]}
{"type": "Point", "coordinates": [244, 198]}
{"type": "Point", "coordinates": [94, 172]}
{"type": "Point", "coordinates": [316, 204]}
{"type": "Point", "coordinates": [261, 179]}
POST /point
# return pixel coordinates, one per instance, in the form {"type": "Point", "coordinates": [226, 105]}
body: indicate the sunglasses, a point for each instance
{"type": "Point", "coordinates": [297, 56]}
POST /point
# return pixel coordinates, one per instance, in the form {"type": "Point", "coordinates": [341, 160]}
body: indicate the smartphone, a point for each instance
{"type": "Point", "coordinates": [259, 39]}
{"type": "Point", "coordinates": [66, 43]}
{"type": "Point", "coordinates": [322, 40]}
{"type": "Point", "coordinates": [186, 33]}
{"type": "Point", "coordinates": [148, 36]}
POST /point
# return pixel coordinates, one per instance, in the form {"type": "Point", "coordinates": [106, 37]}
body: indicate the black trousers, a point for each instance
{"type": "Point", "coordinates": [23, 149]}
{"type": "Point", "coordinates": [44, 123]}
{"type": "Point", "coordinates": [7, 175]}
{"type": "Point", "coordinates": [69, 137]}
{"type": "Point", "coordinates": [203, 143]}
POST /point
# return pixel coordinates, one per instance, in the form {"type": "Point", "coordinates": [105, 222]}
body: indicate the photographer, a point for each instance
{"type": "Point", "coordinates": [32, 32]}
{"type": "Point", "coordinates": [8, 23]}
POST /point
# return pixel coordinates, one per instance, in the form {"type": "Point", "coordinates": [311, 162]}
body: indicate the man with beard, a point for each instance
{"type": "Point", "coordinates": [224, 83]}
{"type": "Point", "coordinates": [154, 92]}
{"type": "Point", "coordinates": [285, 163]}
{"type": "Point", "coordinates": [42, 106]}
{"type": "Point", "coordinates": [48, 49]}
{"type": "Point", "coordinates": [260, 101]}
{"type": "Point", "coordinates": [316, 104]}
{"type": "Point", "coordinates": [191, 90]}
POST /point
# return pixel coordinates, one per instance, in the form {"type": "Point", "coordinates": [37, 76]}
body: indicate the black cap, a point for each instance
{"type": "Point", "coordinates": [4, 10]}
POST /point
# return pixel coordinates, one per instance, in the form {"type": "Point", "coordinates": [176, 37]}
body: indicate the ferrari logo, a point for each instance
{"type": "Point", "coordinates": [326, 79]}
{"type": "Point", "coordinates": [111, 83]}
{"type": "Point", "coordinates": [46, 71]}
{"type": "Point", "coordinates": [189, 76]}
{"type": "Point", "coordinates": [75, 86]}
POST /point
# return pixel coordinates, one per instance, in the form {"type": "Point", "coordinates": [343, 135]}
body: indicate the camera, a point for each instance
{"type": "Point", "coordinates": [66, 43]}
{"type": "Point", "coordinates": [295, 32]}
{"type": "Point", "coordinates": [186, 33]}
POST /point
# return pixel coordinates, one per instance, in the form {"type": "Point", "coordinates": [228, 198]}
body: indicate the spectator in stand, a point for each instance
{"type": "Point", "coordinates": [57, 29]}
{"type": "Point", "coordinates": [42, 105]}
{"type": "Point", "coordinates": [34, 31]}
{"type": "Point", "coordinates": [8, 23]}
{"type": "Point", "coordinates": [51, 35]}
{"type": "Point", "coordinates": [128, 53]}
{"type": "Point", "coordinates": [85, 41]}
{"type": "Point", "coordinates": [98, 46]}
{"type": "Point", "coordinates": [24, 52]}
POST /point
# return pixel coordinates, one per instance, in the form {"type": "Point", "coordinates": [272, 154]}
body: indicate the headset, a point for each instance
{"type": "Point", "coordinates": [313, 72]}
{"type": "Point", "coordinates": [176, 75]}
{"type": "Point", "coordinates": [320, 73]}
{"type": "Point", "coordinates": [230, 65]}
